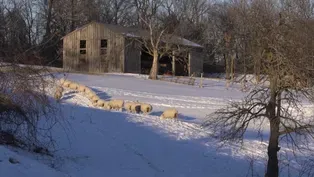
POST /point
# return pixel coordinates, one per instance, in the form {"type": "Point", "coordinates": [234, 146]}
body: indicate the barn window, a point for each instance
{"type": "Point", "coordinates": [103, 46]}
{"type": "Point", "coordinates": [82, 46]}
{"type": "Point", "coordinates": [82, 51]}
{"type": "Point", "coordinates": [82, 43]}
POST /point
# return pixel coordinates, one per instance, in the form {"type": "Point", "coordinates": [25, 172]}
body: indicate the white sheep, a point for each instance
{"type": "Point", "coordinates": [58, 95]}
{"type": "Point", "coordinates": [146, 108]}
{"type": "Point", "coordinates": [62, 80]}
{"type": "Point", "coordinates": [136, 107]}
{"type": "Point", "coordinates": [89, 91]}
{"type": "Point", "coordinates": [81, 88]}
{"type": "Point", "coordinates": [73, 86]}
{"type": "Point", "coordinates": [91, 95]}
{"type": "Point", "coordinates": [169, 113]}
{"type": "Point", "coordinates": [59, 89]}
{"type": "Point", "coordinates": [107, 105]}
{"type": "Point", "coordinates": [65, 83]}
{"type": "Point", "coordinates": [101, 103]}
{"type": "Point", "coordinates": [116, 104]}
{"type": "Point", "coordinates": [94, 99]}
{"type": "Point", "coordinates": [127, 106]}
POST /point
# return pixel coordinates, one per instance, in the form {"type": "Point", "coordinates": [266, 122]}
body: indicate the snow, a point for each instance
{"type": "Point", "coordinates": [27, 167]}
{"type": "Point", "coordinates": [131, 35]}
{"type": "Point", "coordinates": [95, 142]}
{"type": "Point", "coordinates": [189, 43]}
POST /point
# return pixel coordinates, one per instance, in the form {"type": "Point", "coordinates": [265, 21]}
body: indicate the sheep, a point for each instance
{"type": "Point", "coordinates": [91, 95]}
{"type": "Point", "coordinates": [127, 106]}
{"type": "Point", "coordinates": [88, 90]}
{"type": "Point", "coordinates": [58, 92]}
{"type": "Point", "coordinates": [58, 95]}
{"type": "Point", "coordinates": [81, 88]}
{"type": "Point", "coordinates": [146, 108]}
{"type": "Point", "coordinates": [101, 103]}
{"type": "Point", "coordinates": [116, 104]}
{"type": "Point", "coordinates": [104, 104]}
{"type": "Point", "coordinates": [73, 86]}
{"type": "Point", "coordinates": [169, 113]}
{"type": "Point", "coordinates": [59, 89]}
{"type": "Point", "coordinates": [94, 99]}
{"type": "Point", "coordinates": [136, 108]}
{"type": "Point", "coordinates": [65, 83]}
{"type": "Point", "coordinates": [62, 80]}
{"type": "Point", "coordinates": [107, 105]}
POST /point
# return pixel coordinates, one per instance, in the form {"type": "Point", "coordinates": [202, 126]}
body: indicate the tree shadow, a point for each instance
{"type": "Point", "coordinates": [71, 94]}
{"type": "Point", "coordinates": [68, 95]}
{"type": "Point", "coordinates": [156, 113]}
{"type": "Point", "coordinates": [255, 135]}
{"type": "Point", "coordinates": [103, 95]}
{"type": "Point", "coordinates": [171, 149]}
{"type": "Point", "coordinates": [185, 117]}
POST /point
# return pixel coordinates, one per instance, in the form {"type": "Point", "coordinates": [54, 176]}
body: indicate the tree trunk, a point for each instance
{"type": "Point", "coordinates": [227, 63]}
{"type": "Point", "coordinates": [257, 68]}
{"type": "Point", "coordinates": [227, 38]}
{"type": "Point", "coordinates": [273, 146]}
{"type": "Point", "coordinates": [154, 69]}
{"type": "Point", "coordinates": [49, 15]}
{"type": "Point", "coordinates": [232, 66]}
{"type": "Point", "coordinates": [272, 165]}
{"type": "Point", "coordinates": [72, 15]}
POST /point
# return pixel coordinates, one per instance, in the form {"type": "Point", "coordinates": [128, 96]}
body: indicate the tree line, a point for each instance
{"type": "Point", "coordinates": [228, 30]}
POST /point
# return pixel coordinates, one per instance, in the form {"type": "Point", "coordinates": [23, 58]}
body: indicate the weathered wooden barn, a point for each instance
{"type": "Point", "coordinates": [98, 48]}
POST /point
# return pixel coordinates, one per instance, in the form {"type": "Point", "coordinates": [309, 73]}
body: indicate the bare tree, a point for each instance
{"type": "Point", "coordinates": [282, 43]}
{"type": "Point", "coordinates": [153, 42]}
{"type": "Point", "coordinates": [119, 12]}
{"type": "Point", "coordinates": [24, 100]}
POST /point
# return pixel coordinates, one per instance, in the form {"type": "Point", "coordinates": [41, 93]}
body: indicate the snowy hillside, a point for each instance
{"type": "Point", "coordinates": [94, 142]}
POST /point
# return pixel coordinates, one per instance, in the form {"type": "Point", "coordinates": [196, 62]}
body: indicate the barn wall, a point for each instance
{"type": "Point", "coordinates": [115, 52]}
{"type": "Point", "coordinates": [92, 61]}
{"type": "Point", "coordinates": [122, 55]}
{"type": "Point", "coordinates": [70, 52]}
{"type": "Point", "coordinates": [113, 61]}
{"type": "Point", "coordinates": [196, 60]}
{"type": "Point", "coordinates": [132, 56]}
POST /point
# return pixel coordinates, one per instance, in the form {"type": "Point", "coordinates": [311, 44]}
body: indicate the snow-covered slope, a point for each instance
{"type": "Point", "coordinates": [26, 167]}
{"type": "Point", "coordinates": [95, 142]}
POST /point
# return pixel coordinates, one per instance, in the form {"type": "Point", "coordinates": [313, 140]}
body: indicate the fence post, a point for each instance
{"type": "Point", "coordinates": [201, 82]}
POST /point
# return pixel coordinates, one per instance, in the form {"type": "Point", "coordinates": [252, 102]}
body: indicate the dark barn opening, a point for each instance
{"type": "Point", "coordinates": [165, 64]}
{"type": "Point", "coordinates": [146, 62]}
{"type": "Point", "coordinates": [182, 68]}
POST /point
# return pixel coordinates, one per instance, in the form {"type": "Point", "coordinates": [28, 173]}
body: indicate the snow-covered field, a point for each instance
{"type": "Point", "coordinates": [94, 142]}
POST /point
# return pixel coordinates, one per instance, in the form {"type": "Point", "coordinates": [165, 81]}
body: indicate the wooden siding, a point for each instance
{"type": "Point", "coordinates": [196, 62]}
{"type": "Point", "coordinates": [122, 55]}
{"type": "Point", "coordinates": [92, 61]}
{"type": "Point", "coordinates": [132, 56]}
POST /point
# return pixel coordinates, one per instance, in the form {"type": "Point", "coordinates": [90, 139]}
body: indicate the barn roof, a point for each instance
{"type": "Point", "coordinates": [139, 33]}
